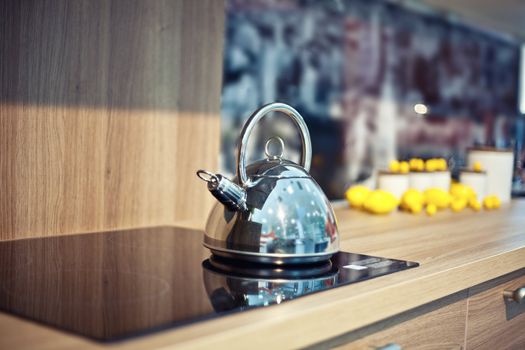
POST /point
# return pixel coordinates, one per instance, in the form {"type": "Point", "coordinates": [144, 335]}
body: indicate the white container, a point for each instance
{"type": "Point", "coordinates": [394, 183]}
{"type": "Point", "coordinates": [476, 180]}
{"type": "Point", "coordinates": [498, 163]}
{"type": "Point", "coordinates": [421, 180]}
{"type": "Point", "coordinates": [441, 180]}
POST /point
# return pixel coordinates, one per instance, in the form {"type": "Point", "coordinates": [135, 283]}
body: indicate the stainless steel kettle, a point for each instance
{"type": "Point", "coordinates": [273, 211]}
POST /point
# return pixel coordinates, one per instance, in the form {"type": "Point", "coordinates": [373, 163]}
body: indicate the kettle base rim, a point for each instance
{"type": "Point", "coordinates": [270, 258]}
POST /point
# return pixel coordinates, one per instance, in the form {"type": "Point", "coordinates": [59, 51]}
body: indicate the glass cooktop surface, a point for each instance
{"type": "Point", "coordinates": [119, 284]}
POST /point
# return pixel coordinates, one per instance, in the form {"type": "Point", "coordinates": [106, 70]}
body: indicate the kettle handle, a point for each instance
{"type": "Point", "coordinates": [306, 154]}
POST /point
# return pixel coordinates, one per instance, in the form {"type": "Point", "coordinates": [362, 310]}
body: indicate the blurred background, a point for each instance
{"type": "Point", "coordinates": [375, 80]}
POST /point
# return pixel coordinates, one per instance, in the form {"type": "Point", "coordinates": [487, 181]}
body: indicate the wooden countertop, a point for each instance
{"type": "Point", "coordinates": [455, 250]}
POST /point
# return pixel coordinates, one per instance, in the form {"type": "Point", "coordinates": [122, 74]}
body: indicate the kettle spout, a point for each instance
{"type": "Point", "coordinates": [231, 195]}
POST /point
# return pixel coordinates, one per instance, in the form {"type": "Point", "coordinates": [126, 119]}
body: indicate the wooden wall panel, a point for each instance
{"type": "Point", "coordinates": [107, 108]}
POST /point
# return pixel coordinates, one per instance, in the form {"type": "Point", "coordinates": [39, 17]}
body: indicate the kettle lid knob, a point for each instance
{"type": "Point", "coordinates": [269, 154]}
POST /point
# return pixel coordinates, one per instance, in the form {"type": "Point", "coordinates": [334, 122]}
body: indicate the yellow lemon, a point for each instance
{"type": "Point", "coordinates": [404, 167]}
{"type": "Point", "coordinates": [491, 202]}
{"type": "Point", "coordinates": [380, 202]}
{"type": "Point", "coordinates": [430, 165]}
{"type": "Point", "coordinates": [356, 195]}
{"type": "Point", "coordinates": [458, 204]}
{"type": "Point", "coordinates": [477, 166]}
{"type": "Point", "coordinates": [420, 165]}
{"type": "Point", "coordinates": [459, 190]}
{"type": "Point", "coordinates": [488, 202]}
{"type": "Point", "coordinates": [474, 204]}
{"type": "Point", "coordinates": [437, 197]}
{"type": "Point", "coordinates": [431, 210]}
{"type": "Point", "coordinates": [413, 164]}
{"type": "Point", "coordinates": [416, 207]}
{"type": "Point", "coordinates": [410, 197]}
{"type": "Point", "coordinates": [496, 202]}
{"type": "Point", "coordinates": [442, 164]}
{"type": "Point", "coordinates": [416, 164]}
{"type": "Point", "coordinates": [394, 166]}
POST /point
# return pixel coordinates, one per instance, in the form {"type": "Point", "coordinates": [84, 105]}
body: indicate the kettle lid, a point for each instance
{"type": "Point", "coordinates": [275, 169]}
{"type": "Point", "coordinates": [274, 166]}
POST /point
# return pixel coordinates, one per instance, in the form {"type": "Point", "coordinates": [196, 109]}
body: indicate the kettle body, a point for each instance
{"type": "Point", "coordinates": [273, 211]}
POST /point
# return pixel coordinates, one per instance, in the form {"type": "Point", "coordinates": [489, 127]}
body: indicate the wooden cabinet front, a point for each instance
{"type": "Point", "coordinates": [496, 323]}
{"type": "Point", "coordinates": [440, 329]}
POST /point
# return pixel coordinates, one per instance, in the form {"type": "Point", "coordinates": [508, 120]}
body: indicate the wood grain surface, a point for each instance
{"type": "Point", "coordinates": [107, 109]}
{"type": "Point", "coordinates": [489, 326]}
{"type": "Point", "coordinates": [456, 251]}
{"type": "Point", "coordinates": [440, 329]}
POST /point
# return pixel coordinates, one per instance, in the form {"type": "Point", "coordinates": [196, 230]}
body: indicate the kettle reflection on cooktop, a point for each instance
{"type": "Point", "coordinates": [119, 284]}
{"type": "Point", "coordinates": [230, 288]}
{"type": "Point", "coordinates": [234, 285]}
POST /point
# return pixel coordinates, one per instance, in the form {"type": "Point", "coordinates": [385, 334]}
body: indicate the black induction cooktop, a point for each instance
{"type": "Point", "coordinates": [113, 285]}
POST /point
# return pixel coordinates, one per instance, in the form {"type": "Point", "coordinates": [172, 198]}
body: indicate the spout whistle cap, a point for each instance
{"type": "Point", "coordinates": [231, 195]}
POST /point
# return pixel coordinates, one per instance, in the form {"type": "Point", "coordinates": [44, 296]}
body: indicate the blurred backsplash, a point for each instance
{"type": "Point", "coordinates": [373, 79]}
